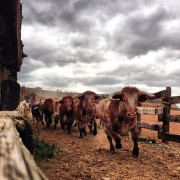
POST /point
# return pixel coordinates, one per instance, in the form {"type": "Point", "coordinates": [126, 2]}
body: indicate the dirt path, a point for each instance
{"type": "Point", "coordinates": [90, 158]}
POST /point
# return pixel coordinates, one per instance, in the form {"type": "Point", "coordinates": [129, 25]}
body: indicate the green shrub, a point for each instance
{"type": "Point", "coordinates": [146, 140]}
{"type": "Point", "coordinates": [44, 149]}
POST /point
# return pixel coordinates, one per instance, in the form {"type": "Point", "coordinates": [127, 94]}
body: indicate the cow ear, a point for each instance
{"type": "Point", "coordinates": [142, 98]}
{"type": "Point", "coordinates": [118, 97]}
{"type": "Point", "coordinates": [81, 97]}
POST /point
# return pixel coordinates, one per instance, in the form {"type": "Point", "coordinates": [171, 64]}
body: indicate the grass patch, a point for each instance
{"type": "Point", "coordinates": [44, 149]}
{"type": "Point", "coordinates": [146, 140]}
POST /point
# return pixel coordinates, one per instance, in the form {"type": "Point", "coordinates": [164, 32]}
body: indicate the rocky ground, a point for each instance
{"type": "Point", "coordinates": [90, 158]}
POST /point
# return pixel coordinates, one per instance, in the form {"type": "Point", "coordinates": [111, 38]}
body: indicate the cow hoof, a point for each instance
{"type": "Point", "coordinates": [112, 149]}
{"type": "Point", "coordinates": [135, 153]}
{"type": "Point", "coordinates": [118, 146]}
{"type": "Point", "coordinates": [81, 136]}
{"type": "Point", "coordinates": [95, 132]}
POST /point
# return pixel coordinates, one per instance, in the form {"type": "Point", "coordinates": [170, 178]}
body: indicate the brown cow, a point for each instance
{"type": "Point", "coordinates": [47, 110]}
{"type": "Point", "coordinates": [118, 115]}
{"type": "Point", "coordinates": [65, 113]}
{"type": "Point", "coordinates": [85, 111]}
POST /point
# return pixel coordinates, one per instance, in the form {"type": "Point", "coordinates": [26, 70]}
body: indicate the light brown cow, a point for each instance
{"type": "Point", "coordinates": [118, 115]}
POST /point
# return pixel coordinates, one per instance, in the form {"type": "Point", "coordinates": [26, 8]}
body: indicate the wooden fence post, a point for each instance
{"type": "Point", "coordinates": [166, 110]}
{"type": "Point", "coordinates": [139, 119]}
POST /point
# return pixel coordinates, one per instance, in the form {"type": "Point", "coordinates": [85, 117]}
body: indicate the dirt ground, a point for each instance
{"type": "Point", "coordinates": [90, 159]}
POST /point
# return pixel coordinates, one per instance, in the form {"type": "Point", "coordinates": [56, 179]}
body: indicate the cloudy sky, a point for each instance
{"type": "Point", "coordinates": [101, 45]}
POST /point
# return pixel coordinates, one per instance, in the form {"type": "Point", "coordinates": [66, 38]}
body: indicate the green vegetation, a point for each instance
{"type": "Point", "coordinates": [44, 149]}
{"type": "Point", "coordinates": [146, 140]}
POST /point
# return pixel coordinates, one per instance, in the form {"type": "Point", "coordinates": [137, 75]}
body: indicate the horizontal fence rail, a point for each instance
{"type": "Point", "coordinates": [151, 126]}
{"type": "Point", "coordinates": [149, 111]}
{"type": "Point", "coordinates": [170, 118]}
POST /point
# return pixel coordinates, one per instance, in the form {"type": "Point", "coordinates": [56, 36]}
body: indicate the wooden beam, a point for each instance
{"type": "Point", "coordinates": [160, 94]}
{"type": "Point", "coordinates": [142, 110]}
{"type": "Point", "coordinates": [155, 127]}
{"type": "Point", "coordinates": [13, 153]}
{"type": "Point", "coordinates": [170, 118]}
{"type": "Point", "coordinates": [174, 99]}
{"type": "Point", "coordinates": [171, 137]}
{"type": "Point", "coordinates": [173, 118]}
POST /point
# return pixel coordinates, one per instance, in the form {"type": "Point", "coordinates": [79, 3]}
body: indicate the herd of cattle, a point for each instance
{"type": "Point", "coordinates": [117, 113]}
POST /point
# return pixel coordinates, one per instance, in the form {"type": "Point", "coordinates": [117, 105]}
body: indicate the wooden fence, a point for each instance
{"type": "Point", "coordinates": [163, 115]}
{"type": "Point", "coordinates": [16, 160]}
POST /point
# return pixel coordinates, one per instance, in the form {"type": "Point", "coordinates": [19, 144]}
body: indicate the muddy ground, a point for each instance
{"type": "Point", "coordinates": [90, 158]}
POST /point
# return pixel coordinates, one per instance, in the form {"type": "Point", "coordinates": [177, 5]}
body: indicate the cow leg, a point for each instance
{"type": "Point", "coordinates": [116, 139]}
{"type": "Point", "coordinates": [42, 119]}
{"type": "Point", "coordinates": [112, 148]}
{"type": "Point", "coordinates": [90, 128]}
{"type": "Point", "coordinates": [37, 120]}
{"type": "Point", "coordinates": [55, 122]}
{"type": "Point", "coordinates": [84, 129]}
{"type": "Point", "coordinates": [62, 125]}
{"type": "Point", "coordinates": [47, 119]}
{"type": "Point", "coordinates": [95, 128]}
{"type": "Point", "coordinates": [94, 125]}
{"type": "Point", "coordinates": [81, 132]}
{"type": "Point", "coordinates": [135, 151]}
{"type": "Point", "coordinates": [69, 123]}
{"type": "Point", "coordinates": [62, 120]}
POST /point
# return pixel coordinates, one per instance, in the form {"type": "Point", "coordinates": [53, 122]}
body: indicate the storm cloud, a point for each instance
{"type": "Point", "coordinates": [78, 45]}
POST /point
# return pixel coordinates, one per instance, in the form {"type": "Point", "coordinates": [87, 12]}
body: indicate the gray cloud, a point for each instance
{"type": "Point", "coordinates": [82, 35]}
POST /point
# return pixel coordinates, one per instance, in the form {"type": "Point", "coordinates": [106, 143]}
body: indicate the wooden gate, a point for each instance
{"type": "Point", "coordinates": [163, 115]}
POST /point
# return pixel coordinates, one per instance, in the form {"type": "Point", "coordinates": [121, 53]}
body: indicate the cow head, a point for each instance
{"type": "Point", "coordinates": [49, 105]}
{"type": "Point", "coordinates": [87, 100]}
{"type": "Point", "coordinates": [129, 98]}
{"type": "Point", "coordinates": [67, 101]}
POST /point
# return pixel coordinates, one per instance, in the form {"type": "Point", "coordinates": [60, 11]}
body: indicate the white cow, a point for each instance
{"type": "Point", "coordinates": [24, 108]}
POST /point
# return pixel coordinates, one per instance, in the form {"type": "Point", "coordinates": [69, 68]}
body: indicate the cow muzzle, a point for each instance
{"type": "Point", "coordinates": [131, 115]}
{"type": "Point", "coordinates": [69, 108]}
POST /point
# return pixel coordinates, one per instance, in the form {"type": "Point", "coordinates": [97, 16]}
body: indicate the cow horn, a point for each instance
{"type": "Point", "coordinates": [150, 95]}
{"type": "Point", "coordinates": [99, 96]}
{"type": "Point", "coordinates": [111, 96]}
{"type": "Point", "coordinates": [60, 100]}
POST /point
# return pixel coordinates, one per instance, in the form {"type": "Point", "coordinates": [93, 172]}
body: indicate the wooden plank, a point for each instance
{"type": "Point", "coordinates": [143, 110]}
{"type": "Point", "coordinates": [13, 152]}
{"type": "Point", "coordinates": [155, 127]}
{"type": "Point", "coordinates": [173, 118]}
{"type": "Point", "coordinates": [171, 137]}
{"type": "Point", "coordinates": [170, 118]}
{"type": "Point", "coordinates": [160, 94]}
{"type": "Point", "coordinates": [174, 99]}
